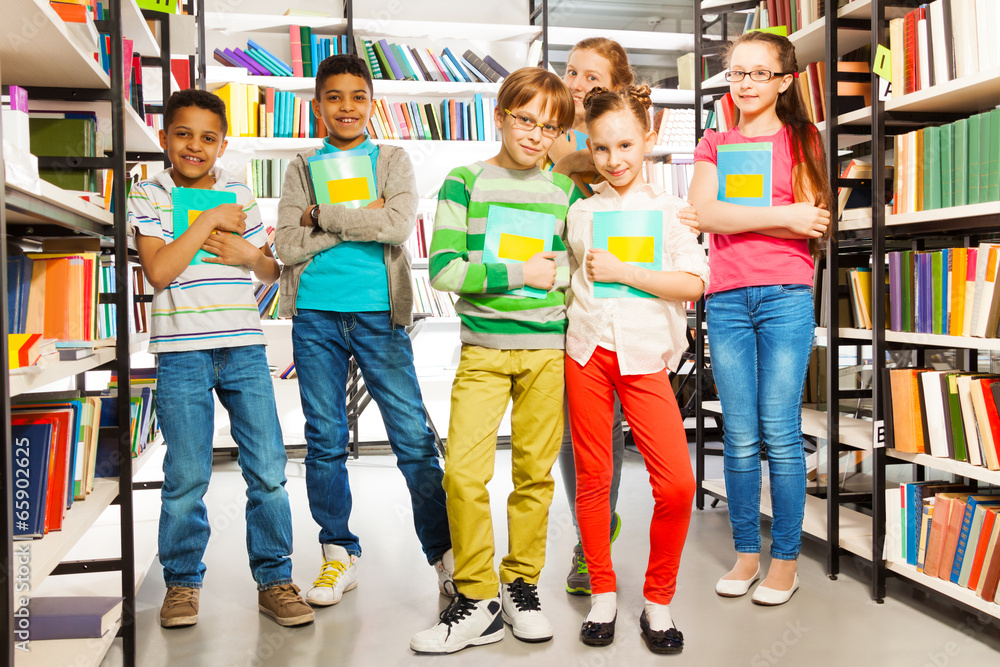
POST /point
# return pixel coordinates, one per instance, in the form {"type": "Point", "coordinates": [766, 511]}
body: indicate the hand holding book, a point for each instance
{"type": "Point", "coordinates": [226, 218]}
{"type": "Point", "coordinates": [540, 271]}
{"type": "Point", "coordinates": [231, 250]}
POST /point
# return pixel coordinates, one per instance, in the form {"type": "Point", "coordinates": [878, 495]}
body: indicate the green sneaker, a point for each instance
{"type": "Point", "coordinates": [616, 526]}
{"type": "Point", "coordinates": [578, 581]}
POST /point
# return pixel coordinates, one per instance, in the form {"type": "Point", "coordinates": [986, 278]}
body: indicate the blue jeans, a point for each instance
{"type": "Point", "coordinates": [186, 412]}
{"type": "Point", "coordinates": [323, 343]}
{"type": "Point", "coordinates": [760, 339]}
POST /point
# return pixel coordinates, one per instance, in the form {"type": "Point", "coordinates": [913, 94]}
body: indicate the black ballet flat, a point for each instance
{"type": "Point", "coordinates": [661, 641]}
{"type": "Point", "coordinates": [598, 634]}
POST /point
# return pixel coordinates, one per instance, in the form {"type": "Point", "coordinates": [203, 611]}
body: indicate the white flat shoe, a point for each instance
{"type": "Point", "coordinates": [734, 588]}
{"type": "Point", "coordinates": [770, 597]}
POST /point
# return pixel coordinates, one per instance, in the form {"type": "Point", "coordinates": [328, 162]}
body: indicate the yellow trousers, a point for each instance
{"type": "Point", "coordinates": [485, 381]}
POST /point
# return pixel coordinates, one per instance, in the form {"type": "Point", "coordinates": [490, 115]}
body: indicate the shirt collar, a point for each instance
{"type": "Point", "coordinates": [604, 188]}
{"type": "Point", "coordinates": [221, 178]}
{"type": "Point", "coordinates": [367, 146]}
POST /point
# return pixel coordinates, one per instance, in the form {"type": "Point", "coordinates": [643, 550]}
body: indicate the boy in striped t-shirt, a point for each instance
{"type": "Point", "coordinates": [206, 334]}
{"type": "Point", "coordinates": [512, 347]}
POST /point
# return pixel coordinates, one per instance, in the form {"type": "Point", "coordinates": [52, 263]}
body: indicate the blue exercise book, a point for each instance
{"type": "Point", "coordinates": [634, 237]}
{"type": "Point", "coordinates": [30, 449]}
{"type": "Point", "coordinates": [514, 236]}
{"type": "Point", "coordinates": [189, 203]}
{"type": "Point", "coordinates": [744, 172]}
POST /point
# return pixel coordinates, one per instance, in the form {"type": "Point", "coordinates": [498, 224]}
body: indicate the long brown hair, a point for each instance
{"type": "Point", "coordinates": [807, 146]}
{"type": "Point", "coordinates": [621, 72]}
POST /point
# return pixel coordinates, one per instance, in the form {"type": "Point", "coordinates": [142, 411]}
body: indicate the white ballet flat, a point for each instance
{"type": "Point", "coordinates": [770, 597]}
{"type": "Point", "coordinates": [734, 588]}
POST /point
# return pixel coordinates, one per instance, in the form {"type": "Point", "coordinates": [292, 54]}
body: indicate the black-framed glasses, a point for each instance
{"type": "Point", "coordinates": [758, 75]}
{"type": "Point", "coordinates": [528, 123]}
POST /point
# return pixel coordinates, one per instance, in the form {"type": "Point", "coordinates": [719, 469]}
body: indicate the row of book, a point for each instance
{"type": "Point", "coordinates": [267, 300]}
{"type": "Point", "coordinates": [399, 62]}
{"type": "Point", "coordinates": [945, 414]}
{"type": "Point", "coordinates": [430, 301]}
{"type": "Point", "coordinates": [947, 531]}
{"type": "Point", "coordinates": [265, 176]}
{"type": "Point", "coordinates": [258, 61]}
{"type": "Point", "coordinates": [673, 176]}
{"type": "Point", "coordinates": [941, 41]}
{"type": "Point", "coordinates": [253, 111]}
{"type": "Point", "coordinates": [420, 239]}
{"type": "Point", "coordinates": [948, 165]}
{"type": "Point", "coordinates": [792, 14]}
{"type": "Point", "coordinates": [451, 120]}
{"type": "Point", "coordinates": [59, 449]}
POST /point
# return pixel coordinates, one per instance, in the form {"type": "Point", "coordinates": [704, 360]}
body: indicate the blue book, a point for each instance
{"type": "Point", "coordinates": [914, 495]}
{"type": "Point", "coordinates": [250, 63]}
{"type": "Point", "coordinates": [422, 132]}
{"type": "Point", "coordinates": [316, 55]}
{"type": "Point", "coordinates": [19, 270]}
{"type": "Point", "coordinates": [477, 101]}
{"type": "Point", "coordinates": [469, 123]}
{"type": "Point", "coordinates": [455, 74]}
{"type": "Point", "coordinates": [445, 120]}
{"type": "Point", "coordinates": [75, 431]}
{"type": "Point", "coordinates": [30, 452]}
{"type": "Point", "coordinates": [456, 63]}
{"type": "Point", "coordinates": [343, 46]}
{"type": "Point", "coordinates": [745, 173]}
{"type": "Point", "coordinates": [189, 203]}
{"type": "Point", "coordinates": [634, 237]}
{"type": "Point", "coordinates": [963, 536]}
{"type": "Point", "coordinates": [262, 62]}
{"type": "Point", "coordinates": [513, 236]}
{"type": "Point", "coordinates": [475, 72]}
{"type": "Point", "coordinates": [397, 72]}
{"type": "Point", "coordinates": [270, 56]}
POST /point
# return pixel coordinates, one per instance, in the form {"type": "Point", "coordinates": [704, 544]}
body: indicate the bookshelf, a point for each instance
{"type": "Point", "coordinates": [59, 74]}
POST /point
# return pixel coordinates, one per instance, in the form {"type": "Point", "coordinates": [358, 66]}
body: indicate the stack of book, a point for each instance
{"type": "Point", "coordinates": [948, 165]}
{"type": "Point", "coordinates": [307, 51]}
{"type": "Point", "coordinates": [946, 531]}
{"type": "Point", "coordinates": [941, 41]}
{"type": "Point", "coordinates": [267, 300]}
{"type": "Point", "coordinates": [792, 14]}
{"type": "Point", "coordinates": [253, 111]}
{"type": "Point", "coordinates": [674, 175]}
{"type": "Point", "coordinates": [451, 120]}
{"type": "Point", "coordinates": [400, 62]}
{"type": "Point", "coordinates": [945, 414]}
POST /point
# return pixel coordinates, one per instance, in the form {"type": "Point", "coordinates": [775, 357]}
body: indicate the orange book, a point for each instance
{"type": "Point", "coordinates": [987, 588]}
{"type": "Point", "coordinates": [70, 12]}
{"type": "Point", "coordinates": [989, 524]}
{"type": "Point", "coordinates": [959, 263]}
{"type": "Point", "coordinates": [939, 528]}
{"type": "Point", "coordinates": [919, 162]}
{"type": "Point", "coordinates": [907, 417]}
{"type": "Point", "coordinates": [57, 294]}
{"type": "Point", "coordinates": [453, 117]}
{"type": "Point", "coordinates": [955, 518]}
{"type": "Point", "coordinates": [408, 119]}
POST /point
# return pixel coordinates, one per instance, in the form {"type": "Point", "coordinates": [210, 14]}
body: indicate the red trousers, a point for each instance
{"type": "Point", "coordinates": [656, 424]}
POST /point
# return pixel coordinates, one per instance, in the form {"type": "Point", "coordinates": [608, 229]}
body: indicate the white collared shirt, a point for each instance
{"type": "Point", "coordinates": [647, 334]}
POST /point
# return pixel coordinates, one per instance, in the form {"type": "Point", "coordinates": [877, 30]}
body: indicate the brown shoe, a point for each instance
{"type": "Point", "coordinates": [180, 607]}
{"type": "Point", "coordinates": [285, 605]}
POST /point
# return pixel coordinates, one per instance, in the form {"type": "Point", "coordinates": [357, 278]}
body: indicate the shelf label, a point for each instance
{"type": "Point", "coordinates": [884, 90]}
{"type": "Point", "coordinates": [883, 63]}
{"type": "Point", "coordinates": [165, 6]}
{"type": "Point", "coordinates": [879, 438]}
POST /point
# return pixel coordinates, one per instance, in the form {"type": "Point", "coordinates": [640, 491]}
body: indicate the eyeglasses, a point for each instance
{"type": "Point", "coordinates": [527, 123]}
{"type": "Point", "coordinates": [758, 75]}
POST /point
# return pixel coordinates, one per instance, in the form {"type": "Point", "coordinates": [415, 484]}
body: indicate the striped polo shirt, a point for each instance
{"type": "Point", "coordinates": [208, 305]}
{"type": "Point", "coordinates": [490, 317]}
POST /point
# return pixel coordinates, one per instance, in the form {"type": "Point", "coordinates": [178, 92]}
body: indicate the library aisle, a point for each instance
{"type": "Point", "coordinates": [827, 623]}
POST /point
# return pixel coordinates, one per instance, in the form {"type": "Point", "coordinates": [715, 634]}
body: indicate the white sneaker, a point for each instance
{"type": "Point", "coordinates": [523, 612]}
{"type": "Point", "coordinates": [339, 575]}
{"type": "Point", "coordinates": [463, 623]}
{"type": "Point", "coordinates": [445, 568]}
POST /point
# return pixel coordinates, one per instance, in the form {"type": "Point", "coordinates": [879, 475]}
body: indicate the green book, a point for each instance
{"type": "Point", "coordinates": [305, 36]}
{"type": "Point", "coordinates": [634, 237]}
{"type": "Point", "coordinates": [947, 173]}
{"type": "Point", "coordinates": [993, 173]}
{"type": "Point", "coordinates": [344, 178]}
{"type": "Point", "coordinates": [957, 424]}
{"type": "Point", "coordinates": [404, 63]}
{"type": "Point", "coordinates": [62, 135]}
{"type": "Point", "coordinates": [960, 156]}
{"type": "Point", "coordinates": [906, 289]}
{"type": "Point", "coordinates": [514, 236]}
{"type": "Point", "coordinates": [972, 177]}
{"type": "Point", "coordinates": [189, 203]}
{"type": "Point", "coordinates": [383, 62]}
{"type": "Point", "coordinates": [930, 168]}
{"type": "Point", "coordinates": [937, 293]}
{"type": "Point", "coordinates": [372, 60]}
{"type": "Point", "coordinates": [987, 136]}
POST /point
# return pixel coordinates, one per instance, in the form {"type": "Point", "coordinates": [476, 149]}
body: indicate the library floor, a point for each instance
{"type": "Point", "coordinates": [826, 623]}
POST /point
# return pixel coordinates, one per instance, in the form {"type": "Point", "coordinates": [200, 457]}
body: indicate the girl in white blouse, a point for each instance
{"type": "Point", "coordinates": [619, 342]}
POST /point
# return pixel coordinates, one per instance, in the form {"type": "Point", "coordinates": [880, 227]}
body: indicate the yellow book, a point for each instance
{"type": "Point", "coordinates": [253, 104]}
{"type": "Point", "coordinates": [296, 118]}
{"type": "Point", "coordinates": [226, 93]}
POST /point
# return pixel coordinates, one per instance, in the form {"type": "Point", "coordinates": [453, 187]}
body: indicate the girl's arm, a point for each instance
{"type": "Point", "coordinates": [794, 221]}
{"type": "Point", "coordinates": [603, 267]}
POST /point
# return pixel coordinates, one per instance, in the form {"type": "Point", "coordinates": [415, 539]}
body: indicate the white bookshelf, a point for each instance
{"type": "Point", "coordinates": [134, 27]}
{"type": "Point", "coordinates": [960, 468]}
{"type": "Point", "coordinates": [42, 201]}
{"type": "Point", "coordinates": [857, 433]}
{"type": "Point", "coordinates": [33, 378]}
{"type": "Point", "coordinates": [954, 591]}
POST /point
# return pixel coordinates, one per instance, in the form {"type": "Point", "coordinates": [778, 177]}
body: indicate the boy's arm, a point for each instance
{"type": "Point", "coordinates": [794, 221]}
{"type": "Point", "coordinates": [392, 223]}
{"type": "Point", "coordinates": [293, 242]}
{"type": "Point", "coordinates": [449, 266]}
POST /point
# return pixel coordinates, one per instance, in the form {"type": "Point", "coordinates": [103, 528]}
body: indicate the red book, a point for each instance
{"type": "Point", "coordinates": [911, 79]}
{"type": "Point", "coordinates": [772, 16]}
{"type": "Point", "coordinates": [441, 68]}
{"type": "Point", "coordinates": [957, 515]}
{"type": "Point", "coordinates": [939, 528]}
{"type": "Point", "coordinates": [991, 409]}
{"type": "Point", "coordinates": [815, 85]}
{"type": "Point", "coordinates": [295, 37]}
{"type": "Point", "coordinates": [411, 126]}
{"type": "Point", "coordinates": [991, 568]}
{"type": "Point", "coordinates": [982, 546]}
{"type": "Point", "coordinates": [453, 118]}
{"type": "Point", "coordinates": [779, 13]}
{"type": "Point", "coordinates": [58, 486]}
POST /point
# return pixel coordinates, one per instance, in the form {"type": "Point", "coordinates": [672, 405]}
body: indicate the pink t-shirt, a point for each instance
{"type": "Point", "coordinates": [751, 259]}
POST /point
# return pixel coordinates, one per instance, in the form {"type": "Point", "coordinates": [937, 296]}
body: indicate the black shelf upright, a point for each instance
{"type": "Point", "coordinates": [6, 480]}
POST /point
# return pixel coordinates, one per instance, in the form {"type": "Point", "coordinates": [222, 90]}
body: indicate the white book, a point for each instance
{"type": "Point", "coordinates": [973, 443]}
{"type": "Point", "coordinates": [964, 37]}
{"type": "Point", "coordinates": [897, 50]}
{"type": "Point", "coordinates": [986, 34]}
{"type": "Point", "coordinates": [911, 172]}
{"type": "Point", "coordinates": [970, 297]}
{"type": "Point", "coordinates": [984, 289]}
{"type": "Point", "coordinates": [923, 55]}
{"type": "Point", "coordinates": [937, 435]}
{"type": "Point", "coordinates": [534, 54]}
{"type": "Point", "coordinates": [429, 65]}
{"type": "Point", "coordinates": [411, 62]}
{"type": "Point", "coordinates": [939, 45]}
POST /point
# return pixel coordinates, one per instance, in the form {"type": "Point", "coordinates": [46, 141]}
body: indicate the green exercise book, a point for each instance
{"type": "Point", "coordinates": [906, 290]}
{"type": "Point", "coordinates": [932, 182]}
{"type": "Point", "coordinates": [305, 39]}
{"type": "Point", "coordinates": [514, 236]}
{"type": "Point", "coordinates": [972, 182]}
{"type": "Point", "coordinates": [937, 294]}
{"type": "Point", "coordinates": [947, 169]}
{"type": "Point", "coordinates": [634, 237]}
{"type": "Point", "coordinates": [960, 157]}
{"type": "Point", "coordinates": [957, 425]}
{"type": "Point", "coordinates": [993, 171]}
{"type": "Point", "coordinates": [65, 135]}
{"type": "Point", "coordinates": [189, 203]}
{"type": "Point", "coordinates": [344, 178]}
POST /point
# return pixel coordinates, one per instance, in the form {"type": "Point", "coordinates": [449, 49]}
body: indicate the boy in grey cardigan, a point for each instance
{"type": "Point", "coordinates": [346, 285]}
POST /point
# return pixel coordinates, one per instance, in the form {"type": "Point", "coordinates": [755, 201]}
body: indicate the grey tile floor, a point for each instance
{"type": "Point", "coordinates": [826, 623]}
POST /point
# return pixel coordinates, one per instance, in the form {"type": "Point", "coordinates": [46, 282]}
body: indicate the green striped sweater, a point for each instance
{"type": "Point", "coordinates": [491, 317]}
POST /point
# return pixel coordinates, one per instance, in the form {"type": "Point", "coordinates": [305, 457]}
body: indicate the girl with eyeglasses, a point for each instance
{"type": "Point", "coordinates": [767, 207]}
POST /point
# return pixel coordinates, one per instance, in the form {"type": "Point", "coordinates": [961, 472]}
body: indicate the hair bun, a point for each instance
{"type": "Point", "coordinates": [592, 94]}
{"type": "Point", "coordinates": [641, 94]}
